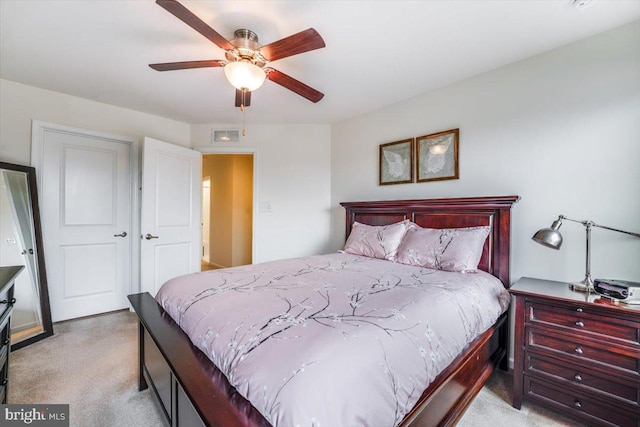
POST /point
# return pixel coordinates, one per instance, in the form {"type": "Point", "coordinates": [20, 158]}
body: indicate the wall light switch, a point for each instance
{"type": "Point", "coordinates": [265, 207]}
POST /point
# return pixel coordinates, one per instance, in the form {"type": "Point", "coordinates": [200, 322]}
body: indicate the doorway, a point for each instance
{"type": "Point", "coordinates": [227, 222]}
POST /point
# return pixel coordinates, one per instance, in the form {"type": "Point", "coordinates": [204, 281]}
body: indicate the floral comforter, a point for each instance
{"type": "Point", "coordinates": [333, 340]}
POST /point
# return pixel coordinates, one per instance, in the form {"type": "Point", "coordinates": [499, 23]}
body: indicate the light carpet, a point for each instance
{"type": "Point", "coordinates": [91, 364]}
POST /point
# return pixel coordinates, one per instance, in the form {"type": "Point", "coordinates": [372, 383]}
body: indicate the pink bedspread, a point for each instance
{"type": "Point", "coordinates": [333, 340]}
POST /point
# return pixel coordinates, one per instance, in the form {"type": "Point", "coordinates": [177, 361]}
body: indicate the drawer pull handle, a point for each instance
{"type": "Point", "coordinates": [578, 350]}
{"type": "Point", "coordinates": [4, 382]}
{"type": "Point", "coordinates": [577, 377]}
{"type": "Point", "coordinates": [10, 302]}
{"type": "Point", "coordinates": [577, 404]}
{"type": "Point", "coordinates": [6, 341]}
{"type": "Point", "coordinates": [580, 324]}
{"type": "Point", "coordinates": [579, 310]}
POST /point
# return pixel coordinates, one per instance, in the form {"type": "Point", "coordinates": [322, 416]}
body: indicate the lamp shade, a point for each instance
{"type": "Point", "coordinates": [548, 237]}
{"type": "Point", "coordinates": [244, 75]}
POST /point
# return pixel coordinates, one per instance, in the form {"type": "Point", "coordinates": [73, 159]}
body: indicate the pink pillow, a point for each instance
{"type": "Point", "coordinates": [450, 249]}
{"type": "Point", "coordinates": [376, 241]}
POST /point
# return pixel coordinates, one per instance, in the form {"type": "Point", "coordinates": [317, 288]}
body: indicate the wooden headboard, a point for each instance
{"type": "Point", "coordinates": [448, 213]}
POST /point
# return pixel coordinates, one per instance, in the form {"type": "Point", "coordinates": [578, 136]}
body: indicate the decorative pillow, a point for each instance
{"type": "Point", "coordinates": [376, 241]}
{"type": "Point", "coordinates": [450, 249]}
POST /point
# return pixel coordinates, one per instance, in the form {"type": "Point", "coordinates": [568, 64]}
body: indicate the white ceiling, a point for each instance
{"type": "Point", "coordinates": [377, 52]}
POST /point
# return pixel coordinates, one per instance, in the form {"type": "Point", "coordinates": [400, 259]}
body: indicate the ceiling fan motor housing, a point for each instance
{"type": "Point", "coordinates": [246, 48]}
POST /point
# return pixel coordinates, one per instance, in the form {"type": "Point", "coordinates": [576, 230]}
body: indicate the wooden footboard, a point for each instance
{"type": "Point", "coordinates": [192, 392]}
{"type": "Point", "coordinates": [189, 388]}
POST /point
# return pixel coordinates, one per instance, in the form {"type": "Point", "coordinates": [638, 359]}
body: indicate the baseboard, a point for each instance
{"type": "Point", "coordinates": [213, 264]}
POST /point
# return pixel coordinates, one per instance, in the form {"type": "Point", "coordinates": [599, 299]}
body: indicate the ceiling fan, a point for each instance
{"type": "Point", "coordinates": [246, 60]}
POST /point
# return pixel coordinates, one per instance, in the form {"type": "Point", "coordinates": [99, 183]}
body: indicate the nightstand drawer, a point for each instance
{"type": "Point", "coordinates": [579, 320]}
{"type": "Point", "coordinates": [624, 391]}
{"type": "Point", "coordinates": [595, 410]}
{"type": "Point", "coordinates": [620, 359]}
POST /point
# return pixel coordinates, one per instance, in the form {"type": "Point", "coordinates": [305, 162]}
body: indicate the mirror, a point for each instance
{"type": "Point", "coordinates": [21, 244]}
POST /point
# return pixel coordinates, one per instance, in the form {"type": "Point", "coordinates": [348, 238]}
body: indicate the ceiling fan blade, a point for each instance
{"type": "Point", "coordinates": [247, 98]}
{"type": "Point", "coordinates": [186, 16]}
{"type": "Point", "coordinates": [301, 42]}
{"type": "Point", "coordinates": [170, 66]}
{"type": "Point", "coordinates": [294, 85]}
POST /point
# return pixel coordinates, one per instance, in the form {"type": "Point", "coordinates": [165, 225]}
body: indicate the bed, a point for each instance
{"type": "Point", "coordinates": [192, 391]}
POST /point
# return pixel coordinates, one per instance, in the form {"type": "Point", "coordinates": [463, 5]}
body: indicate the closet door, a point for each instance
{"type": "Point", "coordinates": [85, 187]}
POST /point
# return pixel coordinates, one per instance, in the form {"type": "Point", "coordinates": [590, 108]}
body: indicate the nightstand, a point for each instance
{"type": "Point", "coordinates": [577, 353]}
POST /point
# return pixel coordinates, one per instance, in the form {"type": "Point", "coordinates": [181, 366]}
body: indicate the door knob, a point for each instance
{"type": "Point", "coordinates": [149, 236]}
{"type": "Point", "coordinates": [123, 234]}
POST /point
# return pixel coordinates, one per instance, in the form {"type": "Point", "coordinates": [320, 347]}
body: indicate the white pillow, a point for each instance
{"type": "Point", "coordinates": [373, 241]}
{"type": "Point", "coordinates": [450, 249]}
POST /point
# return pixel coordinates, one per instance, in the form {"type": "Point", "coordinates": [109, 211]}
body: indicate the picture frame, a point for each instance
{"type": "Point", "coordinates": [437, 156]}
{"type": "Point", "coordinates": [396, 162]}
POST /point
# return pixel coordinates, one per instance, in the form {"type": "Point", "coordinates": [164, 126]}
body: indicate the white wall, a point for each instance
{"type": "Point", "coordinates": [20, 104]}
{"type": "Point", "coordinates": [294, 164]}
{"type": "Point", "coordinates": [293, 175]}
{"type": "Point", "coordinates": [561, 129]}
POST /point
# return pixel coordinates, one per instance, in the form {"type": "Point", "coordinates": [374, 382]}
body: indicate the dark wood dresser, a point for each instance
{"type": "Point", "coordinates": [7, 278]}
{"type": "Point", "coordinates": [577, 353]}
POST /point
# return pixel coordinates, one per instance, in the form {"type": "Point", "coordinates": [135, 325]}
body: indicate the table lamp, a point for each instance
{"type": "Point", "coordinates": [551, 238]}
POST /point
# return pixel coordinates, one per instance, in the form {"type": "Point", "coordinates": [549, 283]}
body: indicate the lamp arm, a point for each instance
{"type": "Point", "coordinates": [592, 224]}
{"type": "Point", "coordinates": [615, 229]}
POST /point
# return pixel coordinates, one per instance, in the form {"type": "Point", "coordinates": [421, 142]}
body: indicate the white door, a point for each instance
{"type": "Point", "coordinates": [85, 185]}
{"type": "Point", "coordinates": [170, 219]}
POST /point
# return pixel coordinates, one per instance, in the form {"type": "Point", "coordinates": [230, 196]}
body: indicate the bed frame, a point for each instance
{"type": "Point", "coordinates": [191, 391]}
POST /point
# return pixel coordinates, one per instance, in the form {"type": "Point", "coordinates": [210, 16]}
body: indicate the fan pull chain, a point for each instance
{"type": "Point", "coordinates": [244, 131]}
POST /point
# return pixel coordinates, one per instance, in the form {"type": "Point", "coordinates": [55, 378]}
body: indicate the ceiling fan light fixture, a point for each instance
{"type": "Point", "coordinates": [244, 75]}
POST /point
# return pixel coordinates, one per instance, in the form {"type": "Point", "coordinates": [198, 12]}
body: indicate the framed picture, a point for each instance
{"type": "Point", "coordinates": [438, 156]}
{"type": "Point", "coordinates": [396, 162]}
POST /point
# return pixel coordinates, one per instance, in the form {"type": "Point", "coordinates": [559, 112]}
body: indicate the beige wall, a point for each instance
{"type": "Point", "coordinates": [20, 104]}
{"type": "Point", "coordinates": [242, 209]}
{"type": "Point", "coordinates": [220, 169]}
{"type": "Point", "coordinates": [231, 208]}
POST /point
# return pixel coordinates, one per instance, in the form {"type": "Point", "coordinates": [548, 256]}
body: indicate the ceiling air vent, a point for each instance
{"type": "Point", "coordinates": [226, 136]}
